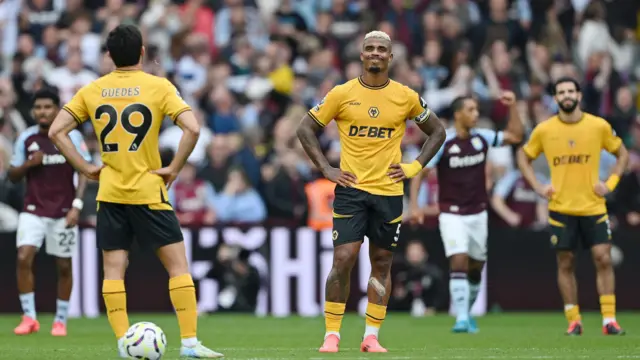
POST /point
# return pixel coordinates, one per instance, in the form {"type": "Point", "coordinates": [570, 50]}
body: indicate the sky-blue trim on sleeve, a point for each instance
{"type": "Point", "coordinates": [78, 142]}
{"type": "Point", "coordinates": [451, 134]}
{"type": "Point", "coordinates": [19, 152]}
{"type": "Point", "coordinates": [493, 138]}
{"type": "Point", "coordinates": [505, 185]}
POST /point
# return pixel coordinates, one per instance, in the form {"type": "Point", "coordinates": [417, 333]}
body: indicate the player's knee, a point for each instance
{"type": "Point", "coordinates": [459, 263]}
{"type": "Point", "coordinates": [25, 258]}
{"type": "Point", "coordinates": [344, 258]}
{"type": "Point", "coordinates": [566, 266]}
{"type": "Point", "coordinates": [114, 264]}
{"type": "Point", "coordinates": [381, 262]}
{"type": "Point", "coordinates": [602, 260]}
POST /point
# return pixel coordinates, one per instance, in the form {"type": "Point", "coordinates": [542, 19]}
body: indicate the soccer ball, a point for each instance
{"type": "Point", "coordinates": [146, 341]}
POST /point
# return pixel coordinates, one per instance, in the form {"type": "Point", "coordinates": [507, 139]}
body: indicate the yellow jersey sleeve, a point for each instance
{"type": "Point", "coordinates": [173, 105]}
{"type": "Point", "coordinates": [77, 107]}
{"type": "Point", "coordinates": [418, 109]}
{"type": "Point", "coordinates": [328, 108]}
{"type": "Point", "coordinates": [533, 147]}
{"type": "Point", "coordinates": [610, 141]}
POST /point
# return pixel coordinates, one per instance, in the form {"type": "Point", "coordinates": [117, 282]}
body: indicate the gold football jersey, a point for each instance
{"type": "Point", "coordinates": [371, 122]}
{"type": "Point", "coordinates": [573, 154]}
{"type": "Point", "coordinates": [127, 109]}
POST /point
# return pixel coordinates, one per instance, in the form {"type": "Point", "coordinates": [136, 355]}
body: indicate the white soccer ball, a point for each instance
{"type": "Point", "coordinates": [146, 341]}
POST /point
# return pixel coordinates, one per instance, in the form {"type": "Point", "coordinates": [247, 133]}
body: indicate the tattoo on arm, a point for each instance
{"type": "Point", "coordinates": [436, 133]}
{"type": "Point", "coordinates": [306, 132]}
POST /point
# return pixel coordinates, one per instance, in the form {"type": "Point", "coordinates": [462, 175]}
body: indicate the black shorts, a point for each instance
{"type": "Point", "coordinates": [570, 233]}
{"type": "Point", "coordinates": [357, 214]}
{"type": "Point", "coordinates": [152, 226]}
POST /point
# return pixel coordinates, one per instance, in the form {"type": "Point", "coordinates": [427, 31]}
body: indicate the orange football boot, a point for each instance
{"type": "Point", "coordinates": [59, 329]}
{"type": "Point", "coordinates": [27, 326]}
{"type": "Point", "coordinates": [371, 344]}
{"type": "Point", "coordinates": [330, 344]}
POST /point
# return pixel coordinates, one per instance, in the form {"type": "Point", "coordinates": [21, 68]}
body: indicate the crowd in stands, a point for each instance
{"type": "Point", "coordinates": [251, 69]}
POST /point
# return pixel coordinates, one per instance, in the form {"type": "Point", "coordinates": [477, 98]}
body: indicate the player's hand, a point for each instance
{"type": "Point", "coordinates": [35, 159]}
{"type": "Point", "coordinates": [508, 98]}
{"type": "Point", "coordinates": [396, 173]}
{"type": "Point", "coordinates": [168, 175]}
{"type": "Point", "coordinates": [601, 189]}
{"type": "Point", "coordinates": [72, 217]}
{"type": "Point", "coordinates": [342, 178]}
{"type": "Point", "coordinates": [416, 215]}
{"type": "Point", "coordinates": [514, 219]}
{"type": "Point", "coordinates": [92, 172]}
{"type": "Point", "coordinates": [546, 191]}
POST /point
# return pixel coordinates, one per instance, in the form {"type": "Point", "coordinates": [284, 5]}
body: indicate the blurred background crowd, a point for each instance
{"type": "Point", "coordinates": [251, 69]}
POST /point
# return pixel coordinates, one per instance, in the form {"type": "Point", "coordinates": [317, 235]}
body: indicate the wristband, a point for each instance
{"type": "Point", "coordinates": [612, 182]}
{"type": "Point", "coordinates": [411, 170]}
{"type": "Point", "coordinates": [77, 203]}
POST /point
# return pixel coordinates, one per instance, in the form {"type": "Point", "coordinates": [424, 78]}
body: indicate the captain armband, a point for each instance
{"type": "Point", "coordinates": [423, 117]}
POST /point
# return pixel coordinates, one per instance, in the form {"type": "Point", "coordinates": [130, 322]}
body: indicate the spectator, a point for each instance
{"type": "Point", "coordinates": [170, 139]}
{"type": "Point", "coordinates": [239, 202]}
{"type": "Point", "coordinates": [284, 192]}
{"type": "Point", "coordinates": [516, 204]}
{"type": "Point", "coordinates": [418, 285]}
{"type": "Point", "coordinates": [239, 280]}
{"type": "Point", "coordinates": [192, 198]}
{"type": "Point", "coordinates": [251, 69]}
{"type": "Point", "coordinates": [72, 76]}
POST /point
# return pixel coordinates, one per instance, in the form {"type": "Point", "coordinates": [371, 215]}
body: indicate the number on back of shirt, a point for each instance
{"type": "Point", "coordinates": [124, 119]}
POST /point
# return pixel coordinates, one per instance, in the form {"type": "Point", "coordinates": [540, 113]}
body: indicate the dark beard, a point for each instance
{"type": "Point", "coordinates": [568, 108]}
{"type": "Point", "coordinates": [374, 69]}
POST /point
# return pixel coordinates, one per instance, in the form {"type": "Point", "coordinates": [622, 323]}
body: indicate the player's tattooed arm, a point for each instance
{"type": "Point", "coordinates": [433, 128]}
{"type": "Point", "coordinates": [436, 133]}
{"type": "Point", "coordinates": [307, 130]}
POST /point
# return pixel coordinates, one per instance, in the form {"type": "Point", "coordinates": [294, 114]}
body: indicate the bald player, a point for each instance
{"type": "Point", "coordinates": [371, 112]}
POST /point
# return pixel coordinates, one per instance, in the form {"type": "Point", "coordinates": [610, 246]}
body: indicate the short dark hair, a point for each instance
{"type": "Point", "coordinates": [125, 45]}
{"type": "Point", "coordinates": [458, 103]}
{"type": "Point", "coordinates": [47, 93]}
{"type": "Point", "coordinates": [565, 79]}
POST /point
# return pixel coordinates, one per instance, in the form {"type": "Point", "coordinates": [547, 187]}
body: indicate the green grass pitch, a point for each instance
{"type": "Point", "coordinates": [504, 336]}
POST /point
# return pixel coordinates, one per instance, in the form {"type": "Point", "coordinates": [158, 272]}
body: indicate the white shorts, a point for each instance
{"type": "Point", "coordinates": [33, 230]}
{"type": "Point", "coordinates": [465, 234]}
